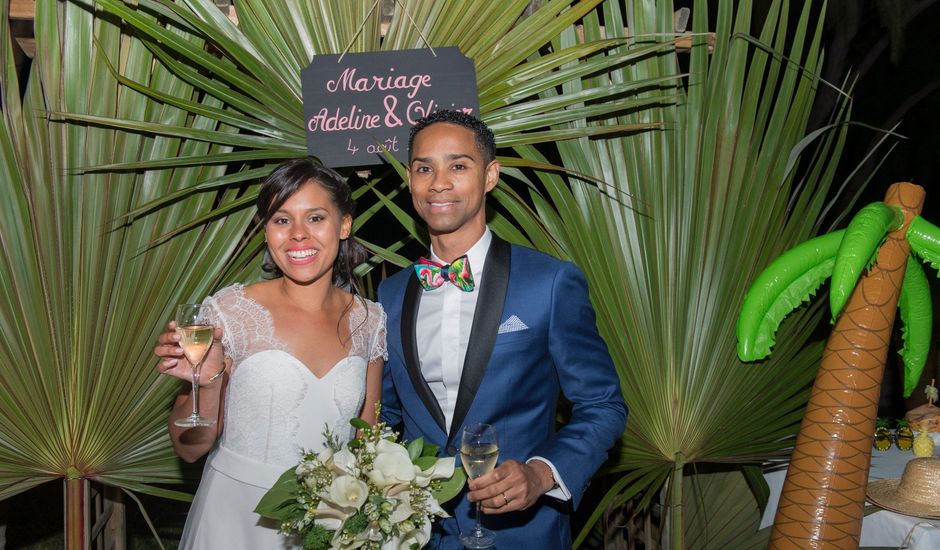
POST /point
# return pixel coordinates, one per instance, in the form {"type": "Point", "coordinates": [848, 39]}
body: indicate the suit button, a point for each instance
{"type": "Point", "coordinates": [451, 450]}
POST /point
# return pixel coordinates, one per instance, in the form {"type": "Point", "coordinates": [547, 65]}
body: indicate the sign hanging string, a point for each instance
{"type": "Point", "coordinates": [368, 15]}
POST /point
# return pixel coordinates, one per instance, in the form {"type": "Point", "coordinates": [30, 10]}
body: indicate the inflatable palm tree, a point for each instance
{"type": "Point", "coordinates": [823, 497]}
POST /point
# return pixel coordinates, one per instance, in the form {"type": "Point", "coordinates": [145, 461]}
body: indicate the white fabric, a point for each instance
{"type": "Point", "coordinates": [275, 408]}
{"type": "Point", "coordinates": [881, 528]}
{"type": "Point", "coordinates": [442, 331]}
{"type": "Point", "coordinates": [445, 317]}
{"type": "Point", "coordinates": [513, 324]}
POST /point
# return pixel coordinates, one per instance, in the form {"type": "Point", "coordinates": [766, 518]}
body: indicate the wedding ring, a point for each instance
{"type": "Point", "coordinates": [506, 499]}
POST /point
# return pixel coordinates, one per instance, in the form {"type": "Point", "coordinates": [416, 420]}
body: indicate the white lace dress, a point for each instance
{"type": "Point", "coordinates": [275, 408]}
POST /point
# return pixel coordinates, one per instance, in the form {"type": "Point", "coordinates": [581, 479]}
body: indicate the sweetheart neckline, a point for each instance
{"type": "Point", "coordinates": [281, 345]}
{"type": "Point", "coordinates": [304, 365]}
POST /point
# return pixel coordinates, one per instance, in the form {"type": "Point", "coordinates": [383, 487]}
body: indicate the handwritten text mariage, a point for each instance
{"type": "Point", "coordinates": [360, 106]}
{"type": "Point", "coordinates": [396, 110]}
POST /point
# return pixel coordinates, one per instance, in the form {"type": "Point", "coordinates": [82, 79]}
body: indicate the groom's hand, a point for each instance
{"type": "Point", "coordinates": [511, 486]}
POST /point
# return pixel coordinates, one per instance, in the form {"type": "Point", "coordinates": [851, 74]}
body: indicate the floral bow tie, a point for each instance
{"type": "Point", "coordinates": [432, 275]}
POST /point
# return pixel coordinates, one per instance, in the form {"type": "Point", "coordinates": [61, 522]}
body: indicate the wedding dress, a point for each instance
{"type": "Point", "coordinates": [274, 409]}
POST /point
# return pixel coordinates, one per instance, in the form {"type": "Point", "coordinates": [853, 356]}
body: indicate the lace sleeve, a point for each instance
{"type": "Point", "coordinates": [218, 304]}
{"type": "Point", "coordinates": [377, 345]}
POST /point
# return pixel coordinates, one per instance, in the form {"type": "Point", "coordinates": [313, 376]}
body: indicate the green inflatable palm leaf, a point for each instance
{"type": "Point", "coordinates": [792, 279]}
{"type": "Point", "coordinates": [783, 286]}
{"type": "Point", "coordinates": [916, 318]}
{"type": "Point", "coordinates": [924, 238]}
{"type": "Point", "coordinates": [863, 236]}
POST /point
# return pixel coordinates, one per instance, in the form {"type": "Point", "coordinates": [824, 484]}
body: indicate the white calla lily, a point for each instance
{"type": "Point", "coordinates": [345, 461]}
{"type": "Point", "coordinates": [386, 446]}
{"type": "Point", "coordinates": [325, 455]}
{"type": "Point", "coordinates": [329, 516]}
{"type": "Point", "coordinates": [442, 469]}
{"type": "Point", "coordinates": [419, 536]}
{"type": "Point", "coordinates": [435, 509]}
{"type": "Point", "coordinates": [402, 509]}
{"type": "Point", "coordinates": [348, 492]}
{"type": "Point", "coordinates": [392, 465]}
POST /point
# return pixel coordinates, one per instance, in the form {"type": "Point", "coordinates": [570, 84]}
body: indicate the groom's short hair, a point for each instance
{"type": "Point", "coordinates": [486, 142]}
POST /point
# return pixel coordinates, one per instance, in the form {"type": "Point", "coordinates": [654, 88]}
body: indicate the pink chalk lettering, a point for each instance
{"type": "Point", "coordinates": [323, 121]}
{"type": "Point", "coordinates": [417, 110]}
{"type": "Point", "coordinates": [348, 82]}
{"type": "Point", "coordinates": [391, 119]}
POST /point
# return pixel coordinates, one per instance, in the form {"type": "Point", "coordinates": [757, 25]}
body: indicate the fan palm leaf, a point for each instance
{"type": "Point", "coordinates": [84, 293]}
{"type": "Point", "coordinates": [254, 67]}
{"type": "Point", "coordinates": [126, 158]}
{"type": "Point", "coordinates": [689, 217]}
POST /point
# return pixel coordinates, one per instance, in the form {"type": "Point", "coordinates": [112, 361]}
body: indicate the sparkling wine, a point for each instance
{"type": "Point", "coordinates": [195, 341]}
{"type": "Point", "coordinates": [479, 459]}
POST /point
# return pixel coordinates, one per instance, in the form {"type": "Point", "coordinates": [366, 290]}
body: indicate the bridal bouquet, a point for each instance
{"type": "Point", "coordinates": [371, 493]}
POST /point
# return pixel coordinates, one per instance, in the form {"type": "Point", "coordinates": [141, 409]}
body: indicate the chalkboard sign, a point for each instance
{"type": "Point", "coordinates": [357, 105]}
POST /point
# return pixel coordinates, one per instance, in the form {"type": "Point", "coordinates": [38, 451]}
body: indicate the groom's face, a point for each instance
{"type": "Point", "coordinates": [449, 179]}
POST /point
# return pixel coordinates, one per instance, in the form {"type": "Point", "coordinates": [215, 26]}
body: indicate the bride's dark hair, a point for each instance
{"type": "Point", "coordinates": [286, 180]}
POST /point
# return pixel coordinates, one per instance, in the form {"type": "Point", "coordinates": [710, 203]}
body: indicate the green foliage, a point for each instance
{"type": "Point", "coordinates": [83, 294]}
{"type": "Point", "coordinates": [317, 538]}
{"type": "Point", "coordinates": [673, 192]}
{"type": "Point", "coordinates": [280, 502]}
{"type": "Point", "coordinates": [686, 218]}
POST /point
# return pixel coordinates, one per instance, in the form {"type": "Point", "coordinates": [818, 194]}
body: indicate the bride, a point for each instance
{"type": "Point", "coordinates": [292, 355]}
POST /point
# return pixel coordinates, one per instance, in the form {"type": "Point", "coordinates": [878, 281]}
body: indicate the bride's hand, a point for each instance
{"type": "Point", "coordinates": [174, 363]}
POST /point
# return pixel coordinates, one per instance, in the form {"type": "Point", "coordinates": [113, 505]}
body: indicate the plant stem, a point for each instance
{"type": "Point", "coordinates": [75, 488]}
{"type": "Point", "coordinates": [675, 504]}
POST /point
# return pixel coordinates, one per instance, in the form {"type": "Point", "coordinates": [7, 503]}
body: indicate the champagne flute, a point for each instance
{"type": "Point", "coordinates": [196, 333]}
{"type": "Point", "coordinates": [478, 453]}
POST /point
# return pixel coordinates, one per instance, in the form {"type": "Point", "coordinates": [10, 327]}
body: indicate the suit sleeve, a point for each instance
{"type": "Point", "coordinates": [588, 380]}
{"type": "Point", "coordinates": [391, 406]}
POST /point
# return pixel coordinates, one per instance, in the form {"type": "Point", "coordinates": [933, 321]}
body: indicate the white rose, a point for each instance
{"type": "Point", "coordinates": [442, 469]}
{"type": "Point", "coordinates": [348, 492]}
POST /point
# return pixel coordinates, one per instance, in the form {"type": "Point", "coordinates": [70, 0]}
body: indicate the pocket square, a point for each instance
{"type": "Point", "coordinates": [513, 324]}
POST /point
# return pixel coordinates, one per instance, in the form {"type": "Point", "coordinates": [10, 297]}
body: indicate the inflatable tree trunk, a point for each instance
{"type": "Point", "coordinates": [823, 496]}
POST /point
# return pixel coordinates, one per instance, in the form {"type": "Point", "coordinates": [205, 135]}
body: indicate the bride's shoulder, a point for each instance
{"type": "Point", "coordinates": [236, 297]}
{"type": "Point", "coordinates": [372, 308]}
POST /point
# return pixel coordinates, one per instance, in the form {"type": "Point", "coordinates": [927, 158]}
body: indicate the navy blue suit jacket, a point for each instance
{"type": "Point", "coordinates": [513, 381]}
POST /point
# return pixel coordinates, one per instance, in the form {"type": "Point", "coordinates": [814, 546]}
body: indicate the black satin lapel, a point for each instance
{"type": "Point", "coordinates": [495, 282]}
{"type": "Point", "coordinates": [409, 344]}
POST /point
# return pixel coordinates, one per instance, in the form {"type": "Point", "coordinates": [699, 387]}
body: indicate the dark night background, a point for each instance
{"type": "Point", "coordinates": [888, 47]}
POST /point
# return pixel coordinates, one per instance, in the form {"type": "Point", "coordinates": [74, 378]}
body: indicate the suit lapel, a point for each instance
{"type": "Point", "coordinates": [409, 342]}
{"type": "Point", "coordinates": [489, 310]}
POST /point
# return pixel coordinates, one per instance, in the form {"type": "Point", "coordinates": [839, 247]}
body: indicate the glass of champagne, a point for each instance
{"type": "Point", "coordinates": [196, 332]}
{"type": "Point", "coordinates": [478, 453]}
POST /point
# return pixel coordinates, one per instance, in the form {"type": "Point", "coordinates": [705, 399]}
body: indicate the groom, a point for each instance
{"type": "Point", "coordinates": [496, 337]}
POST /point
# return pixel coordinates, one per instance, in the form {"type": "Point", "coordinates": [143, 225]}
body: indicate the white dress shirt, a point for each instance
{"type": "Point", "coordinates": [442, 331]}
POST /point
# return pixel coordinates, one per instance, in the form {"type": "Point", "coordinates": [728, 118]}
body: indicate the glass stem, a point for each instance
{"type": "Point", "coordinates": [478, 530]}
{"type": "Point", "coordinates": [196, 370]}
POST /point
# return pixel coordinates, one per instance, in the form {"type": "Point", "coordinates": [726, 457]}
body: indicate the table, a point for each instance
{"type": "Point", "coordinates": [881, 528]}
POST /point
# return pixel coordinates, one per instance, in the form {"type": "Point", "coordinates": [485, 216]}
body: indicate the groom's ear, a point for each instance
{"type": "Point", "coordinates": [492, 175]}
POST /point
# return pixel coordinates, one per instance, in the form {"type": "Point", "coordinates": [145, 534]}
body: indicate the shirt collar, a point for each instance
{"type": "Point", "coordinates": [476, 255]}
